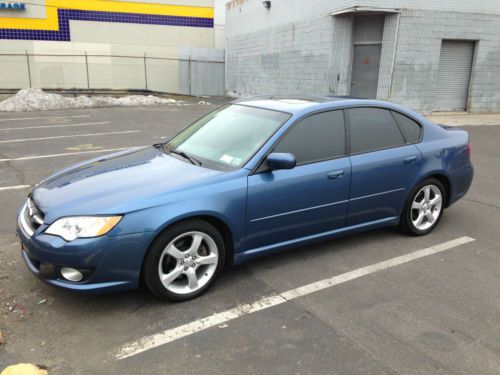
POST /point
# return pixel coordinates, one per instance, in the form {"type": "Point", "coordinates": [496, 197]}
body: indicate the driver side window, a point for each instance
{"type": "Point", "coordinates": [318, 137]}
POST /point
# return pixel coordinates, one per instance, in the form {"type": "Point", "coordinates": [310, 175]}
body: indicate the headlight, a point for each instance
{"type": "Point", "coordinates": [71, 228]}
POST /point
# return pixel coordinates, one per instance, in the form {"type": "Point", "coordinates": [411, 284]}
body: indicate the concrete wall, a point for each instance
{"type": "Point", "coordinates": [219, 24]}
{"type": "Point", "coordinates": [298, 47]}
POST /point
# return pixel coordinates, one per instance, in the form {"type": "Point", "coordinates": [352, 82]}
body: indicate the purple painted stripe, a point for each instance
{"type": "Point", "coordinates": [65, 15]}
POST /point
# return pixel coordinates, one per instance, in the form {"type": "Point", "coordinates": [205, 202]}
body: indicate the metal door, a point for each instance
{"type": "Point", "coordinates": [294, 203]}
{"type": "Point", "coordinates": [365, 67]}
{"type": "Point", "coordinates": [380, 182]}
{"type": "Point", "coordinates": [455, 65]}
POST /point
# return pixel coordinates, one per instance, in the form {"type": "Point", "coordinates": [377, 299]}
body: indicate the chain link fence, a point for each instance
{"type": "Point", "coordinates": [187, 76]}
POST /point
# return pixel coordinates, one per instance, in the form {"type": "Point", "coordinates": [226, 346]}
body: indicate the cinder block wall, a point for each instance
{"type": "Point", "coordinates": [417, 57]}
{"type": "Point", "coordinates": [288, 58]}
{"type": "Point", "coordinates": [298, 47]}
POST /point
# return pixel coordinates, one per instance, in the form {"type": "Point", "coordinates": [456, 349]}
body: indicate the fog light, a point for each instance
{"type": "Point", "coordinates": [71, 274]}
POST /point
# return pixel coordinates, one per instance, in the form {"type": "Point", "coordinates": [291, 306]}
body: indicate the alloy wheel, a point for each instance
{"type": "Point", "coordinates": [426, 207]}
{"type": "Point", "coordinates": [188, 262]}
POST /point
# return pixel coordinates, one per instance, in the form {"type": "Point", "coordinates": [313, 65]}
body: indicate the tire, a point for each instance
{"type": "Point", "coordinates": [189, 250]}
{"type": "Point", "coordinates": [419, 215]}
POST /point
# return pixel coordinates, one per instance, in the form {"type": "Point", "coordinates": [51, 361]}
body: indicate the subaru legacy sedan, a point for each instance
{"type": "Point", "coordinates": [251, 178]}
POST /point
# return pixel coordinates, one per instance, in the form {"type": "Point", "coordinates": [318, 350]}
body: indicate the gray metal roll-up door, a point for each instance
{"type": "Point", "coordinates": [455, 65]}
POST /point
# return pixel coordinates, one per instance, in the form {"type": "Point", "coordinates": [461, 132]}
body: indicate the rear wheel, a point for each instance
{"type": "Point", "coordinates": [424, 207]}
{"type": "Point", "coordinates": [184, 261]}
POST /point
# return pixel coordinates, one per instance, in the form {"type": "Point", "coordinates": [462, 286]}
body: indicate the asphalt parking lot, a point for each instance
{"type": "Point", "coordinates": [386, 307]}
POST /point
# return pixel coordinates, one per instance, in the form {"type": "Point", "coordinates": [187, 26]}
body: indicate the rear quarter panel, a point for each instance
{"type": "Point", "coordinates": [445, 151]}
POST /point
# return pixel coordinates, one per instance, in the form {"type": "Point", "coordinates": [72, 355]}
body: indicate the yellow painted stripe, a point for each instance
{"type": "Point", "coordinates": [131, 7]}
{"type": "Point", "coordinates": [51, 20]}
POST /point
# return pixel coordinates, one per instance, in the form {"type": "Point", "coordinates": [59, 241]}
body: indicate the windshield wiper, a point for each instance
{"type": "Point", "coordinates": [191, 159]}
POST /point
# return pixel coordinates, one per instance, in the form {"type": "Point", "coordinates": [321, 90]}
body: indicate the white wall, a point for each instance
{"type": "Point", "coordinates": [219, 23]}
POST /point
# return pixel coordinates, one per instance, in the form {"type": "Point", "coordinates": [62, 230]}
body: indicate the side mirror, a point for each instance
{"type": "Point", "coordinates": [279, 160]}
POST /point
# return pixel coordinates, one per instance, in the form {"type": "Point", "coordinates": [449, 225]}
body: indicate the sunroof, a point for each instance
{"type": "Point", "coordinates": [295, 101]}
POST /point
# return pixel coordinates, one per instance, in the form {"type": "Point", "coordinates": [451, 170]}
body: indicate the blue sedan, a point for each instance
{"type": "Point", "coordinates": [251, 178]}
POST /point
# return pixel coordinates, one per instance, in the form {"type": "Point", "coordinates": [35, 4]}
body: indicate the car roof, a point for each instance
{"type": "Point", "coordinates": [285, 103]}
{"type": "Point", "coordinates": [305, 103]}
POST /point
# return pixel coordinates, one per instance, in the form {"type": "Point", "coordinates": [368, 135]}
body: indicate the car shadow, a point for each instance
{"type": "Point", "coordinates": [229, 286]}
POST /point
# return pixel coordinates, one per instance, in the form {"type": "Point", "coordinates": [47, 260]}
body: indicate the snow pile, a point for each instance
{"type": "Point", "coordinates": [34, 99]}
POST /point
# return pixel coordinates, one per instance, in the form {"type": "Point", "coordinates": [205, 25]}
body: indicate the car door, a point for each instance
{"type": "Point", "coordinates": [384, 165]}
{"type": "Point", "coordinates": [284, 205]}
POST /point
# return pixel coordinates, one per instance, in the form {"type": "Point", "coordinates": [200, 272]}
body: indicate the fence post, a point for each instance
{"type": "Point", "coordinates": [145, 73]}
{"type": "Point", "coordinates": [28, 65]}
{"type": "Point", "coordinates": [189, 73]}
{"type": "Point", "coordinates": [87, 70]}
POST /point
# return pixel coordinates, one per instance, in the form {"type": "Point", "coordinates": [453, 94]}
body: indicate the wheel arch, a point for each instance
{"type": "Point", "coordinates": [224, 230]}
{"type": "Point", "coordinates": [444, 179]}
{"type": "Point", "coordinates": [217, 222]}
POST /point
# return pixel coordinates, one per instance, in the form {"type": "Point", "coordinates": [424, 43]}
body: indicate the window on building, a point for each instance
{"type": "Point", "coordinates": [410, 128]}
{"type": "Point", "coordinates": [373, 129]}
{"type": "Point", "coordinates": [318, 137]}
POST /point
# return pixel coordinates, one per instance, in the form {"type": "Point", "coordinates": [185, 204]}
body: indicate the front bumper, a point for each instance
{"type": "Point", "coordinates": [110, 263]}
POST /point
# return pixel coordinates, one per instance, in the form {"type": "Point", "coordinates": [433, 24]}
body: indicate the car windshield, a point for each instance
{"type": "Point", "coordinates": [227, 137]}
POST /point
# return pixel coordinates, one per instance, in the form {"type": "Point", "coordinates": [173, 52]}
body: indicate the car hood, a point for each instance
{"type": "Point", "coordinates": [117, 183]}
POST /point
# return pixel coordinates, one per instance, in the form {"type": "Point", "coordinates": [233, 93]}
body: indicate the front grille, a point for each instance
{"type": "Point", "coordinates": [31, 217]}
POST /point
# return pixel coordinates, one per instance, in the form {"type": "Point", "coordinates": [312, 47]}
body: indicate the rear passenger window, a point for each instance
{"type": "Point", "coordinates": [373, 129]}
{"type": "Point", "coordinates": [410, 128]}
{"type": "Point", "coordinates": [318, 137]}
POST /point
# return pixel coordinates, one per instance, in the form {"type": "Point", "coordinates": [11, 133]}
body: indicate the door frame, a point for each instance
{"type": "Point", "coordinates": [368, 42]}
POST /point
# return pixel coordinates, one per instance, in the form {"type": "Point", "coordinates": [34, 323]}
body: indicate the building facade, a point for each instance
{"type": "Point", "coordinates": [112, 44]}
{"type": "Point", "coordinates": [428, 55]}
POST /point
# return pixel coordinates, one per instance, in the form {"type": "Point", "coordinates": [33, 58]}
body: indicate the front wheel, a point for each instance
{"type": "Point", "coordinates": [184, 261]}
{"type": "Point", "coordinates": [424, 208]}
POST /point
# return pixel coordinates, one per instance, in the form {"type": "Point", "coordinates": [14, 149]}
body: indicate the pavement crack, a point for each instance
{"type": "Point", "coordinates": [19, 172]}
{"type": "Point", "coordinates": [310, 314]}
{"type": "Point", "coordinates": [482, 203]}
{"type": "Point", "coordinates": [347, 338]}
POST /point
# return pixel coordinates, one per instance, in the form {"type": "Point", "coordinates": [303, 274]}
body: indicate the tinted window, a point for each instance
{"type": "Point", "coordinates": [372, 129]}
{"type": "Point", "coordinates": [410, 128]}
{"type": "Point", "coordinates": [317, 137]}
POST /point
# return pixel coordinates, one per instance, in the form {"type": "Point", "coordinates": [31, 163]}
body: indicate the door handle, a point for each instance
{"type": "Point", "coordinates": [410, 159]}
{"type": "Point", "coordinates": [336, 175]}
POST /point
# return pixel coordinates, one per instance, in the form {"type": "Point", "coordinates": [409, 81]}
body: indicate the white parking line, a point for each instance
{"type": "Point", "coordinates": [59, 126]}
{"type": "Point", "coordinates": [69, 136]}
{"type": "Point", "coordinates": [39, 118]}
{"type": "Point", "coordinates": [17, 187]}
{"type": "Point", "coordinates": [69, 153]}
{"type": "Point", "coordinates": [169, 335]}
